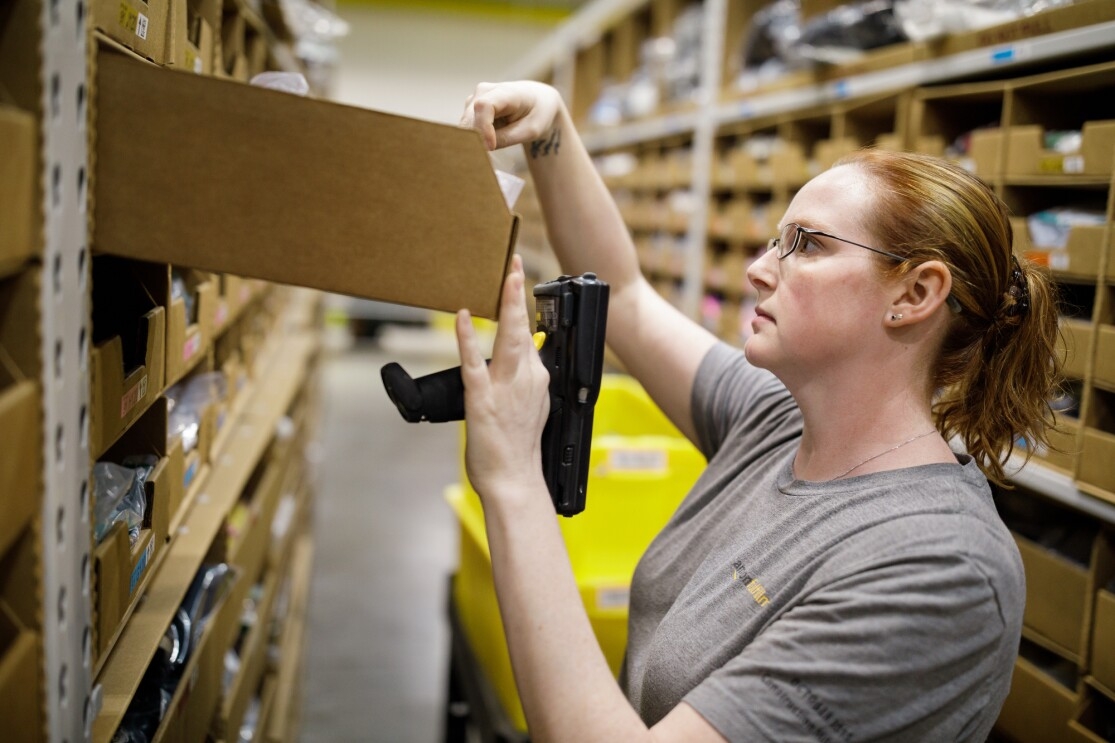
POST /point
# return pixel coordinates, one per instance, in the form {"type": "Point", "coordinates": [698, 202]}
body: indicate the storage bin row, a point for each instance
{"type": "Point", "coordinates": [213, 687]}
{"type": "Point", "coordinates": [1064, 682]}
{"type": "Point", "coordinates": [668, 213]}
{"type": "Point", "coordinates": [19, 195]}
{"type": "Point", "coordinates": [226, 38]}
{"type": "Point", "coordinates": [152, 325]}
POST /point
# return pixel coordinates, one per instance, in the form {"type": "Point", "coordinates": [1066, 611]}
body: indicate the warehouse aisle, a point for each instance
{"type": "Point", "coordinates": [386, 542]}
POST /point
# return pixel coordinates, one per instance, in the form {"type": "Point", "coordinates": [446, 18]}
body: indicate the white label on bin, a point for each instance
{"type": "Point", "coordinates": [637, 460]}
{"type": "Point", "coordinates": [1073, 164]}
{"type": "Point", "coordinates": [141, 26]}
{"type": "Point", "coordinates": [1059, 260]}
{"type": "Point", "coordinates": [613, 598]}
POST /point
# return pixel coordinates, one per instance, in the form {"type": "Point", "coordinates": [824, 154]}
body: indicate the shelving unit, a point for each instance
{"type": "Point", "coordinates": [90, 348]}
{"type": "Point", "coordinates": [734, 159]}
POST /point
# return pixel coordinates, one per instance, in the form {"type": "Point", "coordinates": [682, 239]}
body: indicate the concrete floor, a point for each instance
{"type": "Point", "coordinates": [386, 542]}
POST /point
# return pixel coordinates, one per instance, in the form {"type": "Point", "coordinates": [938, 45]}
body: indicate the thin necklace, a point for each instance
{"type": "Point", "coordinates": [888, 451]}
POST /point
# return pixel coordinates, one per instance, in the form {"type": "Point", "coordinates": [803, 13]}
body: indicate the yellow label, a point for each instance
{"type": "Point", "coordinates": [128, 17]}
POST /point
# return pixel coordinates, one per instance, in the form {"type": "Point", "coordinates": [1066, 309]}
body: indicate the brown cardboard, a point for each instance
{"type": "Point", "coordinates": [118, 396]}
{"type": "Point", "coordinates": [985, 149]}
{"type": "Point", "coordinates": [140, 25]}
{"type": "Point", "coordinates": [123, 570]}
{"type": "Point", "coordinates": [191, 35]}
{"type": "Point", "coordinates": [1096, 455]}
{"type": "Point", "coordinates": [1097, 147]}
{"type": "Point", "coordinates": [188, 338]}
{"type": "Point", "coordinates": [1063, 447]}
{"type": "Point", "coordinates": [20, 468]}
{"type": "Point", "coordinates": [1078, 14]}
{"type": "Point", "coordinates": [1038, 707]}
{"type": "Point", "coordinates": [1057, 587]}
{"type": "Point", "coordinates": [264, 184]}
{"type": "Point", "coordinates": [1105, 356]}
{"type": "Point", "coordinates": [17, 187]}
{"type": "Point", "coordinates": [1086, 725]}
{"type": "Point", "coordinates": [1076, 335]}
{"type": "Point", "coordinates": [1082, 252]}
{"type": "Point", "coordinates": [20, 707]}
{"type": "Point", "coordinates": [1102, 665]}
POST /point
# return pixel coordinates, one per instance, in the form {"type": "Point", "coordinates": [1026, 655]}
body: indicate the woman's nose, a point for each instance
{"type": "Point", "coordinates": [761, 272]}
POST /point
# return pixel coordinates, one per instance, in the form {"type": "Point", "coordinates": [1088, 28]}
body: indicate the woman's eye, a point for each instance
{"type": "Point", "coordinates": [809, 245]}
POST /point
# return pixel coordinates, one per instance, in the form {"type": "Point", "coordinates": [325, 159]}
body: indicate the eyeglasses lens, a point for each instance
{"type": "Point", "coordinates": [787, 240]}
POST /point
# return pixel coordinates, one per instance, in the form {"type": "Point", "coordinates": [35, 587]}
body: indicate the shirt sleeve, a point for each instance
{"type": "Point", "coordinates": [903, 647]}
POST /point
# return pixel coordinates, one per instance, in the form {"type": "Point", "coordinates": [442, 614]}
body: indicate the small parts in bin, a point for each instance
{"type": "Point", "coordinates": [185, 403]}
{"type": "Point", "coordinates": [119, 494]}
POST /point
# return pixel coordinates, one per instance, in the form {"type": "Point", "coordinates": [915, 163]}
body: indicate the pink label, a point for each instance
{"type": "Point", "coordinates": [132, 396]}
{"type": "Point", "coordinates": [190, 347]}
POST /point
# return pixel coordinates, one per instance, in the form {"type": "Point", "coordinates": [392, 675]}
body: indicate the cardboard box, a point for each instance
{"type": "Point", "coordinates": [1097, 453]}
{"type": "Point", "coordinates": [1105, 356]}
{"type": "Point", "coordinates": [188, 333]}
{"type": "Point", "coordinates": [1082, 253]}
{"type": "Point", "coordinates": [140, 25]}
{"type": "Point", "coordinates": [1102, 665]}
{"type": "Point", "coordinates": [121, 569]}
{"type": "Point", "coordinates": [1039, 706]}
{"type": "Point", "coordinates": [18, 203]}
{"type": "Point", "coordinates": [1063, 448]}
{"type": "Point", "coordinates": [129, 341]}
{"type": "Point", "coordinates": [1097, 148]}
{"type": "Point", "coordinates": [1094, 720]}
{"type": "Point", "coordinates": [1057, 599]}
{"type": "Point", "coordinates": [20, 706]}
{"type": "Point", "coordinates": [192, 26]}
{"type": "Point", "coordinates": [268, 185]}
{"type": "Point", "coordinates": [20, 406]}
{"type": "Point", "coordinates": [1076, 337]}
{"type": "Point", "coordinates": [828, 151]}
{"type": "Point", "coordinates": [985, 152]}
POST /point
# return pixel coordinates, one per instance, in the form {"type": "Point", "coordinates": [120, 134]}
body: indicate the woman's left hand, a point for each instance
{"type": "Point", "coordinates": [506, 402]}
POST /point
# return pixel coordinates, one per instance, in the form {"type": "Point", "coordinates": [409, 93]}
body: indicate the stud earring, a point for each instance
{"type": "Point", "coordinates": [896, 318]}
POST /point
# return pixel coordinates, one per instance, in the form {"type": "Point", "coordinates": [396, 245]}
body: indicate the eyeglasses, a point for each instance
{"type": "Point", "coordinates": [792, 236]}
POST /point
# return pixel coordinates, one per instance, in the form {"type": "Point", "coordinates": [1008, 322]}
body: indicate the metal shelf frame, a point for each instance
{"type": "Point", "coordinates": [66, 335]}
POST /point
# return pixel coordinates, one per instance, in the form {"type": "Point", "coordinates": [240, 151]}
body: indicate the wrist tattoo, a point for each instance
{"type": "Point", "coordinates": [546, 145]}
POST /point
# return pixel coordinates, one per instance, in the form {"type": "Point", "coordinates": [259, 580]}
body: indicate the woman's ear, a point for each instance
{"type": "Point", "coordinates": [920, 292]}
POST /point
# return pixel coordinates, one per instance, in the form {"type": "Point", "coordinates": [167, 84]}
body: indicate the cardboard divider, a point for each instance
{"type": "Point", "coordinates": [253, 663]}
{"type": "Point", "coordinates": [189, 320]}
{"type": "Point", "coordinates": [986, 153]}
{"type": "Point", "coordinates": [140, 25]}
{"type": "Point", "coordinates": [232, 59]}
{"type": "Point", "coordinates": [18, 202]}
{"type": "Point", "coordinates": [1059, 549]}
{"type": "Point", "coordinates": [1105, 356]}
{"type": "Point", "coordinates": [1102, 665]}
{"type": "Point", "coordinates": [1064, 447]}
{"type": "Point", "coordinates": [1094, 472]}
{"type": "Point", "coordinates": [192, 27]}
{"type": "Point", "coordinates": [374, 205]}
{"type": "Point", "coordinates": [19, 678]}
{"type": "Point", "coordinates": [122, 569]}
{"type": "Point", "coordinates": [1042, 698]}
{"type": "Point", "coordinates": [128, 355]}
{"type": "Point", "coordinates": [20, 405]}
{"type": "Point", "coordinates": [1094, 721]}
{"type": "Point", "coordinates": [1076, 337]}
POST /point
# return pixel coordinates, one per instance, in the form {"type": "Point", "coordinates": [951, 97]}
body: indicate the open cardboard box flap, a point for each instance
{"type": "Point", "coordinates": [222, 176]}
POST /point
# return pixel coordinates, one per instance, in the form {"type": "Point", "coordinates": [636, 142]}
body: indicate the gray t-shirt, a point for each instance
{"type": "Point", "coordinates": [881, 607]}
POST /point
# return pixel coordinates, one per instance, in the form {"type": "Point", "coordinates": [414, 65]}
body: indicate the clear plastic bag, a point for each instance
{"type": "Point", "coordinates": [185, 403]}
{"type": "Point", "coordinates": [119, 495]}
{"type": "Point", "coordinates": [922, 20]}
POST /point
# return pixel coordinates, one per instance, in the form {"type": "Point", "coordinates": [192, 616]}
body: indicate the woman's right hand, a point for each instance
{"type": "Point", "coordinates": [512, 113]}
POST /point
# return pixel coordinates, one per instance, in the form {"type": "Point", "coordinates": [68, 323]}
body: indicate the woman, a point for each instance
{"type": "Point", "coordinates": [838, 573]}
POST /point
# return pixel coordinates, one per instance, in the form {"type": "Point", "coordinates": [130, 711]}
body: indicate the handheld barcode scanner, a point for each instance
{"type": "Point", "coordinates": [572, 312]}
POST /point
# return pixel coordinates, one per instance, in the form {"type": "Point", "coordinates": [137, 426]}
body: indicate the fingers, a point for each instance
{"type": "Point", "coordinates": [474, 370]}
{"type": "Point", "coordinates": [513, 333]}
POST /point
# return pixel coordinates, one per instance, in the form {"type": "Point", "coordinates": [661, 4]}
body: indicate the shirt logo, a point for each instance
{"type": "Point", "coordinates": [754, 587]}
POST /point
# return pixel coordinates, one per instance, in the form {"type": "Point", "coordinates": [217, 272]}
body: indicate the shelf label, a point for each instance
{"type": "Point", "coordinates": [141, 566]}
{"type": "Point", "coordinates": [141, 26]}
{"type": "Point", "coordinates": [191, 346]}
{"type": "Point", "coordinates": [613, 598]}
{"type": "Point", "coordinates": [132, 396]}
{"type": "Point", "coordinates": [840, 89]}
{"type": "Point", "coordinates": [637, 460]}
